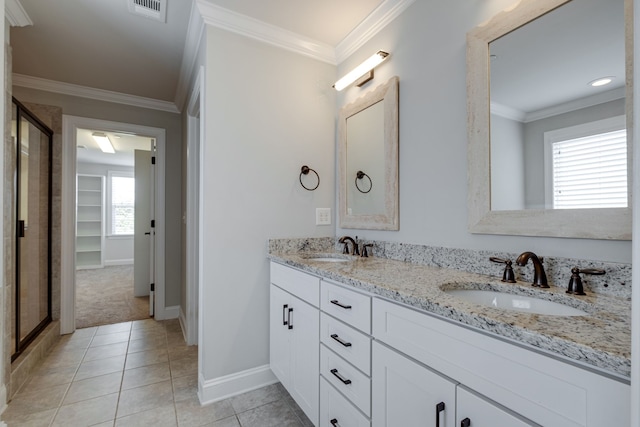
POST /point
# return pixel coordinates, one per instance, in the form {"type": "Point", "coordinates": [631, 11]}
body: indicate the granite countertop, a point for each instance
{"type": "Point", "coordinates": [601, 339]}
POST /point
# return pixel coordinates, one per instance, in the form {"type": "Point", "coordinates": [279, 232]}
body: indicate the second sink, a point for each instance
{"type": "Point", "coordinates": [507, 301]}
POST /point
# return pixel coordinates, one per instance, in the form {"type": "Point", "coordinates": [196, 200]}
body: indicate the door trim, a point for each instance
{"type": "Point", "coordinates": [70, 124]}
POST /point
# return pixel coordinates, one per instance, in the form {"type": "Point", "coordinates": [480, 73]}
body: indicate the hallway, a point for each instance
{"type": "Point", "coordinates": [138, 373]}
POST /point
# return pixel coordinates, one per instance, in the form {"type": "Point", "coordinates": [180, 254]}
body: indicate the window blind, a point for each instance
{"type": "Point", "coordinates": [590, 172]}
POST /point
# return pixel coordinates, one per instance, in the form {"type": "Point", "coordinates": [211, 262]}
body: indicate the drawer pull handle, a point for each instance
{"type": "Point", "coordinates": [337, 338]}
{"type": "Point", "coordinates": [289, 322]}
{"type": "Point", "coordinates": [465, 423]}
{"type": "Point", "coordinates": [284, 309]}
{"type": "Point", "coordinates": [336, 302]}
{"type": "Point", "coordinates": [334, 422]}
{"type": "Point", "coordinates": [439, 409]}
{"type": "Point", "coordinates": [338, 376]}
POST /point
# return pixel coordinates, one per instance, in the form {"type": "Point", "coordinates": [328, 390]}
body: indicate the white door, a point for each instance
{"type": "Point", "coordinates": [142, 227]}
{"type": "Point", "coordinates": [405, 393]}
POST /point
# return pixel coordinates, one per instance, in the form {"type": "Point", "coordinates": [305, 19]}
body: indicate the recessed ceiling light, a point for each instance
{"type": "Point", "coordinates": [602, 81]}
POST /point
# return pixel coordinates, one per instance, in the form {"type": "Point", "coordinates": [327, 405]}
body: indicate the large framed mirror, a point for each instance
{"type": "Point", "coordinates": [539, 134]}
{"type": "Point", "coordinates": [368, 160]}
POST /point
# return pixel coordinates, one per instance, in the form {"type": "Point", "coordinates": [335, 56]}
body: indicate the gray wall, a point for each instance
{"type": "Point", "coordinates": [427, 45]}
{"type": "Point", "coordinates": [83, 107]}
{"type": "Point", "coordinates": [268, 112]}
{"type": "Point", "coordinates": [507, 164]}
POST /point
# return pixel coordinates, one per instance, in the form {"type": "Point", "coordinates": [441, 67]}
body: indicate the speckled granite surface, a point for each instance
{"type": "Point", "coordinates": [601, 339]}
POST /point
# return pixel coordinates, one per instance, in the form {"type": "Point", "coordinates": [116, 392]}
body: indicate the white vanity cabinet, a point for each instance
{"type": "Point", "coordinates": [474, 411]}
{"type": "Point", "coordinates": [294, 326]}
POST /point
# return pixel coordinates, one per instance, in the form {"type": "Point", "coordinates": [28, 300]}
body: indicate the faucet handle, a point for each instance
{"type": "Point", "coordinates": [507, 275]}
{"type": "Point", "coordinates": [365, 254]}
{"type": "Point", "coordinates": [575, 283]}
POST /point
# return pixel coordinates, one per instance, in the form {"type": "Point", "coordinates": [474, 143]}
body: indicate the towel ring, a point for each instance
{"type": "Point", "coordinates": [304, 170]}
{"type": "Point", "coordinates": [360, 175]}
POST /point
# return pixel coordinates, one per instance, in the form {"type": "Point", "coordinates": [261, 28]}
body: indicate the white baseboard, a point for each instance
{"type": "Point", "coordinates": [210, 391]}
{"type": "Point", "coordinates": [172, 312]}
{"type": "Point", "coordinates": [114, 262]}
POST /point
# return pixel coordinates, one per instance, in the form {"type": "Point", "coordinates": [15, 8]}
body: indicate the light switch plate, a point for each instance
{"type": "Point", "coordinates": [323, 216]}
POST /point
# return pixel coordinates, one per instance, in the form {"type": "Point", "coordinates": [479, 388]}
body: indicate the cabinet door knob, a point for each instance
{"type": "Point", "coordinates": [338, 376]}
{"type": "Point", "coordinates": [334, 422]}
{"type": "Point", "coordinates": [465, 423]}
{"type": "Point", "coordinates": [284, 310]}
{"type": "Point", "coordinates": [439, 409]}
{"type": "Point", "coordinates": [341, 341]}
{"type": "Point", "coordinates": [336, 302]}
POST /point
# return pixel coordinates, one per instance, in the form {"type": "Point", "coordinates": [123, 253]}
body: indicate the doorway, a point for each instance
{"type": "Point", "coordinates": [32, 305]}
{"type": "Point", "coordinates": [113, 234]}
{"type": "Point", "coordinates": [71, 127]}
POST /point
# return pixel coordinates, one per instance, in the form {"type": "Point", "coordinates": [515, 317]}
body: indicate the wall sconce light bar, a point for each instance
{"type": "Point", "coordinates": [103, 142]}
{"type": "Point", "coordinates": [361, 70]}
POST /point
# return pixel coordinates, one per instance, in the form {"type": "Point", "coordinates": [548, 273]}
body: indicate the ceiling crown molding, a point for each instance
{"type": "Point", "coordinates": [369, 27]}
{"type": "Point", "coordinates": [241, 24]}
{"type": "Point", "coordinates": [92, 93]}
{"type": "Point", "coordinates": [192, 43]}
{"type": "Point", "coordinates": [15, 14]}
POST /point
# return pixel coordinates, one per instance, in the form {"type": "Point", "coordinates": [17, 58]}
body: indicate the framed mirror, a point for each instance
{"type": "Point", "coordinates": [368, 160]}
{"type": "Point", "coordinates": [529, 101]}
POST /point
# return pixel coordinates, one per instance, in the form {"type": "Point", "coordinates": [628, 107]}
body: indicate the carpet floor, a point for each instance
{"type": "Point", "coordinates": [105, 296]}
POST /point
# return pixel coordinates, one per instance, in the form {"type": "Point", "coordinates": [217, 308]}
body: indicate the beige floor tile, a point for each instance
{"type": "Point", "coordinates": [32, 419]}
{"type": "Point", "coordinates": [116, 327]}
{"type": "Point", "coordinates": [138, 334]}
{"type": "Point", "coordinates": [93, 387]}
{"type": "Point", "coordinates": [40, 399]}
{"type": "Point", "coordinates": [184, 367]}
{"type": "Point", "coordinates": [145, 398]}
{"type": "Point", "coordinates": [185, 388]}
{"type": "Point", "coordinates": [182, 351]}
{"type": "Point", "coordinates": [84, 333]}
{"type": "Point", "coordinates": [259, 397]}
{"type": "Point", "coordinates": [116, 337]}
{"type": "Point", "coordinates": [105, 351]}
{"type": "Point", "coordinates": [50, 377]}
{"type": "Point", "coordinates": [87, 412]}
{"type": "Point", "coordinates": [69, 342]}
{"type": "Point", "coordinates": [276, 414]}
{"type": "Point", "coordinates": [145, 375]}
{"type": "Point", "coordinates": [175, 339]}
{"type": "Point", "coordinates": [105, 424]}
{"type": "Point", "coordinates": [147, 324]}
{"type": "Point", "coordinates": [146, 358]}
{"type": "Point", "coordinates": [144, 344]}
{"type": "Point", "coordinates": [158, 417]}
{"type": "Point", "coordinates": [227, 422]}
{"type": "Point", "coordinates": [95, 368]}
{"type": "Point", "coordinates": [61, 358]}
{"type": "Point", "coordinates": [191, 413]}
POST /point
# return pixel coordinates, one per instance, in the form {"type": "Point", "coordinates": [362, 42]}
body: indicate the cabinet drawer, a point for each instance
{"type": "Point", "coordinates": [303, 285]}
{"type": "Point", "coordinates": [347, 379]}
{"type": "Point", "coordinates": [351, 307]}
{"type": "Point", "coordinates": [338, 411]}
{"type": "Point", "coordinates": [350, 344]}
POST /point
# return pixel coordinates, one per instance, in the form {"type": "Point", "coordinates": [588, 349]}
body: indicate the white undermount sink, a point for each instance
{"type": "Point", "coordinates": [329, 258]}
{"type": "Point", "coordinates": [506, 301]}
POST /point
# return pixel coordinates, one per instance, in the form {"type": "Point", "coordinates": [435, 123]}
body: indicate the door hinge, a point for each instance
{"type": "Point", "coordinates": [153, 160]}
{"type": "Point", "coordinates": [153, 287]}
{"type": "Point", "coordinates": [153, 223]}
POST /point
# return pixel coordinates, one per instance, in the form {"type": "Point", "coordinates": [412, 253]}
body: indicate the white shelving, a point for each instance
{"type": "Point", "coordinates": [90, 221]}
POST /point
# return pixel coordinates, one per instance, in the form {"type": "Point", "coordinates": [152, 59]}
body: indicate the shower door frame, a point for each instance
{"type": "Point", "coordinates": [22, 344]}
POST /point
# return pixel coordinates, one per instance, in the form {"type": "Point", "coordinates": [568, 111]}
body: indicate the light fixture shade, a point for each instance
{"type": "Point", "coordinates": [361, 69]}
{"type": "Point", "coordinates": [103, 142]}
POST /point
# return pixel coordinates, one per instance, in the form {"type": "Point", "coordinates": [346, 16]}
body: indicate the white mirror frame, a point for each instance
{"type": "Point", "coordinates": [606, 223]}
{"type": "Point", "coordinates": [389, 220]}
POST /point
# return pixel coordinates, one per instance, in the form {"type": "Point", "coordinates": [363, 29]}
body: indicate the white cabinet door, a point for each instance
{"type": "Point", "coordinates": [473, 411]}
{"type": "Point", "coordinates": [337, 411]}
{"type": "Point", "coordinates": [304, 326]}
{"type": "Point", "coordinates": [295, 349]}
{"type": "Point", "coordinates": [279, 346]}
{"type": "Point", "coordinates": [405, 393]}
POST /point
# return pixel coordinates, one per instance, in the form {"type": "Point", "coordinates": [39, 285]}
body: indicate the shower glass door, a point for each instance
{"type": "Point", "coordinates": [33, 142]}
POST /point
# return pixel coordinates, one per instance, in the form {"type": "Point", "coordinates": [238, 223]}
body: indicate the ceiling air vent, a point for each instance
{"type": "Point", "coordinates": [154, 9]}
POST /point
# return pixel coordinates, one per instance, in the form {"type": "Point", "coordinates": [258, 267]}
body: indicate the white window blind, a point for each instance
{"type": "Point", "coordinates": [590, 171]}
{"type": "Point", "coordinates": [122, 205]}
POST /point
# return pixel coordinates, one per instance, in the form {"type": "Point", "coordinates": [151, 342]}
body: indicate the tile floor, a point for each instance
{"type": "Point", "coordinates": [137, 373]}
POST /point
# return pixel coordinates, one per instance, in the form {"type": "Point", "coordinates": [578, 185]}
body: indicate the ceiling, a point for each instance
{"type": "Point", "coordinates": [123, 143]}
{"type": "Point", "coordinates": [100, 44]}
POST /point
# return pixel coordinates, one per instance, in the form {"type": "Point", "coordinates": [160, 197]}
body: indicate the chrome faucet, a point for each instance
{"type": "Point", "coordinates": [345, 240]}
{"type": "Point", "coordinates": [539, 276]}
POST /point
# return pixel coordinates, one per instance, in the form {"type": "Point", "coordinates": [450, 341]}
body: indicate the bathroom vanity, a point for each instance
{"type": "Point", "coordinates": [378, 342]}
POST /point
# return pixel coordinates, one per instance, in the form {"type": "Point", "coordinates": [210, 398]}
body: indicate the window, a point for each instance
{"type": "Point", "coordinates": [587, 165]}
{"type": "Point", "coordinates": [121, 204]}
